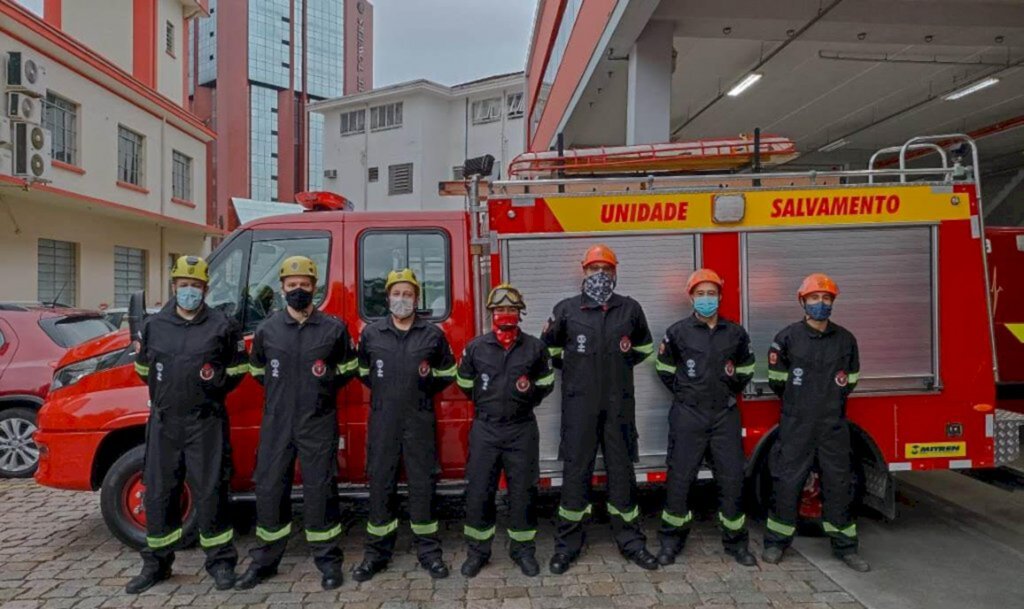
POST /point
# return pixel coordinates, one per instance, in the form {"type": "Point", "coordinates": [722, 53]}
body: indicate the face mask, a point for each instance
{"type": "Point", "coordinates": [706, 306]}
{"type": "Point", "coordinates": [506, 328]}
{"type": "Point", "coordinates": [599, 287]}
{"type": "Point", "coordinates": [401, 307]}
{"type": "Point", "coordinates": [189, 298]}
{"type": "Point", "coordinates": [299, 299]}
{"type": "Point", "coordinates": [818, 311]}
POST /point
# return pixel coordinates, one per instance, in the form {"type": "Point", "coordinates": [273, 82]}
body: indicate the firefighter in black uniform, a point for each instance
{"type": "Point", "coordinates": [506, 373]}
{"type": "Point", "coordinates": [191, 356]}
{"type": "Point", "coordinates": [813, 365]}
{"type": "Point", "coordinates": [302, 357]}
{"type": "Point", "coordinates": [405, 361]}
{"type": "Point", "coordinates": [705, 360]}
{"type": "Point", "coordinates": [596, 338]}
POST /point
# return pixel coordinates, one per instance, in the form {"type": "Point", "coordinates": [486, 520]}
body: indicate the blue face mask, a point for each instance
{"type": "Point", "coordinates": [706, 306]}
{"type": "Point", "coordinates": [189, 298]}
{"type": "Point", "coordinates": [818, 311]}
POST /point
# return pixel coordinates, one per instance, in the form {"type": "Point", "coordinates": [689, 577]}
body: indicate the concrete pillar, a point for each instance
{"type": "Point", "coordinates": [649, 85]}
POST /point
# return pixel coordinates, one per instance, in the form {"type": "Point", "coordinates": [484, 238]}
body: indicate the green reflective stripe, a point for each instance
{"type": "Point", "coordinates": [238, 370]}
{"type": "Point", "coordinates": [269, 535]}
{"type": "Point", "coordinates": [216, 540]}
{"type": "Point", "coordinates": [256, 370]}
{"type": "Point", "coordinates": [850, 531]}
{"type": "Point", "coordinates": [364, 371]}
{"type": "Point", "coordinates": [628, 516]}
{"type": "Point", "coordinates": [782, 529]}
{"type": "Point", "coordinates": [478, 534]}
{"type": "Point", "coordinates": [464, 382]}
{"type": "Point", "coordinates": [853, 377]}
{"type": "Point", "coordinates": [427, 528]}
{"type": "Point", "coordinates": [162, 542]}
{"type": "Point", "coordinates": [645, 349]}
{"type": "Point", "coordinates": [447, 372]}
{"type": "Point", "coordinates": [555, 351]}
{"type": "Point", "coordinates": [382, 530]}
{"type": "Point", "coordinates": [660, 366]}
{"type": "Point", "coordinates": [733, 524]}
{"type": "Point", "coordinates": [573, 515]}
{"type": "Point", "coordinates": [522, 536]}
{"type": "Point", "coordinates": [348, 366]}
{"type": "Point", "coordinates": [142, 369]}
{"type": "Point", "coordinates": [775, 375]}
{"type": "Point", "coordinates": [676, 521]}
{"type": "Point", "coordinates": [749, 369]}
{"type": "Point", "coordinates": [546, 380]}
{"type": "Point", "coordinates": [329, 534]}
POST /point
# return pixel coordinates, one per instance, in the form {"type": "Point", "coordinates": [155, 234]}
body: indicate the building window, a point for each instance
{"type": "Point", "coordinates": [373, 174]}
{"type": "Point", "coordinates": [57, 272]}
{"type": "Point", "coordinates": [400, 179]}
{"type": "Point", "coordinates": [387, 116]}
{"type": "Point", "coordinates": [130, 156]}
{"type": "Point", "coordinates": [353, 122]}
{"type": "Point", "coordinates": [486, 110]}
{"type": "Point", "coordinates": [129, 273]}
{"type": "Point", "coordinates": [169, 39]}
{"type": "Point", "coordinates": [514, 107]}
{"type": "Point", "coordinates": [60, 116]}
{"type": "Point", "coordinates": [458, 172]}
{"type": "Point", "coordinates": [181, 176]}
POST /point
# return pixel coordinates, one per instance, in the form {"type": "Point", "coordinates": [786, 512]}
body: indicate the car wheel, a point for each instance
{"type": "Point", "coordinates": [122, 502]}
{"type": "Point", "coordinates": [19, 455]}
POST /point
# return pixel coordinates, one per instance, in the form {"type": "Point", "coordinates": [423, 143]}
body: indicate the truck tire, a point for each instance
{"type": "Point", "coordinates": [19, 455]}
{"type": "Point", "coordinates": [121, 502]}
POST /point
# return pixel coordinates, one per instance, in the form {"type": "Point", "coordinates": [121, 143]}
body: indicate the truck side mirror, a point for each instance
{"type": "Point", "coordinates": [136, 313]}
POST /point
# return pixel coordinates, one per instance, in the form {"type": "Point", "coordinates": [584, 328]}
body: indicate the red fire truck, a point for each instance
{"type": "Point", "coordinates": [905, 245]}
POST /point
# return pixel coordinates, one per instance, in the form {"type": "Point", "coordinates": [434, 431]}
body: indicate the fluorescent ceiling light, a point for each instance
{"type": "Point", "coordinates": [836, 145]}
{"type": "Point", "coordinates": [744, 84]}
{"type": "Point", "coordinates": [974, 88]}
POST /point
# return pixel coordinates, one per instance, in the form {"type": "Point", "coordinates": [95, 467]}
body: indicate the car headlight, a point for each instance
{"type": "Point", "coordinates": [72, 373]}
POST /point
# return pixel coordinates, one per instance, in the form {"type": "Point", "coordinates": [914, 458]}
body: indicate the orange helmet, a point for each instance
{"type": "Point", "coordinates": [817, 282]}
{"type": "Point", "coordinates": [703, 275]}
{"type": "Point", "coordinates": [600, 253]}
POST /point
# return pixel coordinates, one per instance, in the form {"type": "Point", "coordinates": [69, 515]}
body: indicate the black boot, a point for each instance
{"type": "Point", "coordinates": [223, 578]}
{"type": "Point", "coordinates": [332, 580]}
{"type": "Point", "coordinates": [743, 556]}
{"type": "Point", "coordinates": [527, 564]}
{"type": "Point", "coordinates": [436, 568]}
{"type": "Point", "coordinates": [772, 555]}
{"type": "Point", "coordinates": [365, 571]}
{"type": "Point", "coordinates": [644, 559]}
{"type": "Point", "coordinates": [253, 577]}
{"type": "Point", "coordinates": [473, 564]}
{"type": "Point", "coordinates": [560, 563]}
{"type": "Point", "coordinates": [148, 578]}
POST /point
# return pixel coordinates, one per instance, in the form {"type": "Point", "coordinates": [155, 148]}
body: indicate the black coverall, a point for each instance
{"type": "Point", "coordinates": [190, 367]}
{"type": "Point", "coordinates": [813, 372]}
{"type": "Point", "coordinates": [302, 367]}
{"type": "Point", "coordinates": [404, 370]}
{"type": "Point", "coordinates": [505, 386]}
{"type": "Point", "coordinates": [704, 368]}
{"type": "Point", "coordinates": [597, 346]}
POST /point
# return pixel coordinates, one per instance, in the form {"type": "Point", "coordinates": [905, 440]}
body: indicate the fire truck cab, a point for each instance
{"type": "Point", "coordinates": [905, 245]}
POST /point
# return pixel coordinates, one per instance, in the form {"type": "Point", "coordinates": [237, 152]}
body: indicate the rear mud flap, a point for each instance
{"type": "Point", "coordinates": [879, 489]}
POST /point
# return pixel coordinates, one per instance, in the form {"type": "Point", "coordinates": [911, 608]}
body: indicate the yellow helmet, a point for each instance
{"type": "Point", "coordinates": [191, 267]}
{"type": "Point", "coordinates": [505, 295]}
{"type": "Point", "coordinates": [300, 266]}
{"type": "Point", "coordinates": [401, 276]}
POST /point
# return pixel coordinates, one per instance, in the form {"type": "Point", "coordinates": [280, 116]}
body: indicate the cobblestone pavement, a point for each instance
{"type": "Point", "coordinates": [55, 552]}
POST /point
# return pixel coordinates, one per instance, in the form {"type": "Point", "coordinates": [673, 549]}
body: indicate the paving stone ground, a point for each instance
{"type": "Point", "coordinates": [56, 553]}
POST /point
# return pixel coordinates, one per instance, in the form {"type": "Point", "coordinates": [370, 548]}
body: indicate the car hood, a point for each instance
{"type": "Point", "coordinates": [97, 346]}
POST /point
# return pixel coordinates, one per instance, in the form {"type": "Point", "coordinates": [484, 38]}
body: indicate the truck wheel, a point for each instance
{"type": "Point", "coordinates": [121, 502]}
{"type": "Point", "coordinates": [19, 455]}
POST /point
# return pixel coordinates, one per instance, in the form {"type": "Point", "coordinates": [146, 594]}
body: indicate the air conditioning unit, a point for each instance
{"type": "Point", "coordinates": [25, 73]}
{"type": "Point", "coordinates": [25, 108]}
{"type": "Point", "coordinates": [5, 132]}
{"type": "Point", "coordinates": [32, 152]}
{"type": "Point", "coordinates": [331, 174]}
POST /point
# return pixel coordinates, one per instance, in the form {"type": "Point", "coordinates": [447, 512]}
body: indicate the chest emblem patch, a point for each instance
{"type": "Point", "coordinates": [275, 368]}
{"type": "Point", "coordinates": [691, 368]}
{"type": "Point", "coordinates": [625, 344]}
{"type": "Point", "coordinates": [842, 379]}
{"type": "Point", "coordinates": [730, 368]}
{"type": "Point", "coordinates": [581, 344]}
{"type": "Point", "coordinates": [522, 384]}
{"type": "Point", "coordinates": [424, 369]}
{"type": "Point", "coordinates": [206, 372]}
{"type": "Point", "coordinates": [380, 369]}
{"type": "Point", "coordinates": [159, 371]}
{"type": "Point", "coordinates": [486, 380]}
{"type": "Point", "coordinates": [798, 376]}
{"type": "Point", "coordinates": [319, 368]}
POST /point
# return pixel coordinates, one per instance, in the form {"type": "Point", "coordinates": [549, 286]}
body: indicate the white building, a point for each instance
{"type": "Point", "coordinates": [122, 163]}
{"type": "Point", "coordinates": [387, 149]}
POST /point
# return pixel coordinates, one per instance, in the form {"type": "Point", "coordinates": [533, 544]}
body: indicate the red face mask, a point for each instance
{"type": "Point", "coordinates": [506, 328]}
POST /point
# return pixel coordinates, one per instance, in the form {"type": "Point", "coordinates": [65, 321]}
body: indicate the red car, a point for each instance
{"type": "Point", "coordinates": [33, 337]}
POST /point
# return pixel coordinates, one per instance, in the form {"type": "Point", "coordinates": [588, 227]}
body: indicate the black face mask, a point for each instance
{"type": "Point", "coordinates": [299, 299]}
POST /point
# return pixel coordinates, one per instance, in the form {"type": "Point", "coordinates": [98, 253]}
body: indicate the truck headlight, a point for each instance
{"type": "Point", "coordinates": [72, 373]}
